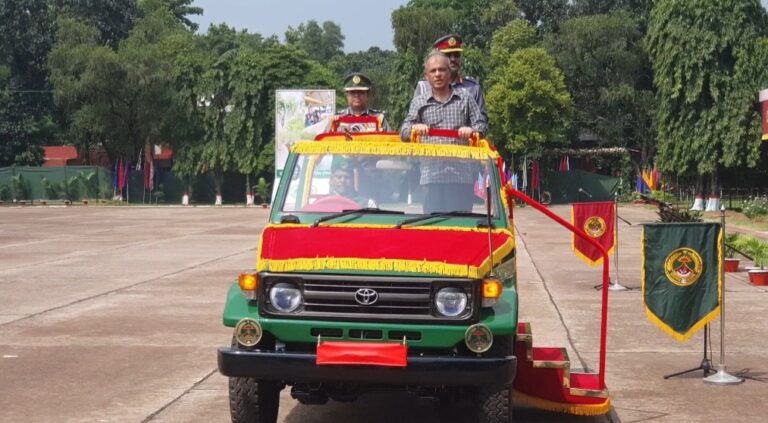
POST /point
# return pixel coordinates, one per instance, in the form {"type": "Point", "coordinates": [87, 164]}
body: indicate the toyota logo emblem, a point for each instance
{"type": "Point", "coordinates": [366, 296]}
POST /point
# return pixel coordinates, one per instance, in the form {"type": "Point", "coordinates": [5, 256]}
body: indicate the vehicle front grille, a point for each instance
{"type": "Point", "coordinates": [397, 298]}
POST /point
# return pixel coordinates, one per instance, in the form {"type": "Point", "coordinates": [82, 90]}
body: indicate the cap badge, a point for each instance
{"type": "Point", "coordinates": [356, 80]}
{"type": "Point", "coordinates": [451, 41]}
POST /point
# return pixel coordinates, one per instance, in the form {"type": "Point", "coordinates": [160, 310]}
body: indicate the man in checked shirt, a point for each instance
{"type": "Point", "coordinates": [449, 183]}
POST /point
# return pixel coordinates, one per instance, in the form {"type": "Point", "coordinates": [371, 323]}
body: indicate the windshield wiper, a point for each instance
{"type": "Point", "coordinates": [438, 214]}
{"type": "Point", "coordinates": [364, 210]}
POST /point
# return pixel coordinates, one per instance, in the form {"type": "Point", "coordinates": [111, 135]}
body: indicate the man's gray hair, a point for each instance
{"type": "Point", "coordinates": [435, 53]}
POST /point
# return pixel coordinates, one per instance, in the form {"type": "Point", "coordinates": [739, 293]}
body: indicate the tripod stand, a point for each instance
{"type": "Point", "coordinates": [706, 363]}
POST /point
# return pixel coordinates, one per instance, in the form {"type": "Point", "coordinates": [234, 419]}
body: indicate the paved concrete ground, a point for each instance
{"type": "Point", "coordinates": [114, 314]}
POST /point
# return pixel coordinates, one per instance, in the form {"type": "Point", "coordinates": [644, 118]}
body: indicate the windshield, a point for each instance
{"type": "Point", "coordinates": [333, 183]}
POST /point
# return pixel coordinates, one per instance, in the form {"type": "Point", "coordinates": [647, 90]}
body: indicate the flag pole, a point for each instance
{"type": "Point", "coordinates": [722, 377]}
{"type": "Point", "coordinates": [615, 285]}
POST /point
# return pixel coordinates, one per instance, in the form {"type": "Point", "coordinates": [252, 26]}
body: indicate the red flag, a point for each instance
{"type": "Point", "coordinates": [598, 220]}
{"type": "Point", "coordinates": [535, 181]}
{"type": "Point", "coordinates": [149, 166]}
{"type": "Point", "coordinates": [121, 175]}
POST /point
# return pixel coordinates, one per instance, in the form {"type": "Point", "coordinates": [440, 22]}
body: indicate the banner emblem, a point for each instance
{"type": "Point", "coordinates": [683, 266]}
{"type": "Point", "coordinates": [595, 226]}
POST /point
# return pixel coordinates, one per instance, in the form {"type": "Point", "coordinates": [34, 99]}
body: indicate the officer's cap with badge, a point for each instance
{"type": "Point", "coordinates": [449, 44]}
{"type": "Point", "coordinates": [356, 81]}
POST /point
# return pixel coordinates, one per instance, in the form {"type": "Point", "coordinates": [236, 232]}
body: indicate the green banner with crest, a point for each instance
{"type": "Point", "coordinates": [682, 275]}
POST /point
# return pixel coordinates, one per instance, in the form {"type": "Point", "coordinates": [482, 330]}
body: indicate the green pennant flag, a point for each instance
{"type": "Point", "coordinates": [682, 275]}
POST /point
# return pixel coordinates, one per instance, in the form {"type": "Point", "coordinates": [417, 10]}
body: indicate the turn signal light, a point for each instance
{"type": "Point", "coordinates": [492, 288]}
{"type": "Point", "coordinates": [248, 283]}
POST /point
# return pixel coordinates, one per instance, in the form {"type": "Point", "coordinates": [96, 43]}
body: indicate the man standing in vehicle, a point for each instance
{"type": "Point", "coordinates": [358, 88]}
{"type": "Point", "coordinates": [451, 46]}
{"type": "Point", "coordinates": [449, 186]}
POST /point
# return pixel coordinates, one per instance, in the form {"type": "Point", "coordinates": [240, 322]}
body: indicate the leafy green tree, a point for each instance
{"type": "Point", "coordinates": [609, 76]}
{"type": "Point", "coordinates": [640, 8]}
{"type": "Point", "coordinates": [701, 53]}
{"type": "Point", "coordinates": [516, 35]}
{"type": "Point", "coordinates": [544, 15]}
{"type": "Point", "coordinates": [114, 19]}
{"type": "Point", "coordinates": [474, 20]}
{"type": "Point", "coordinates": [124, 97]}
{"type": "Point", "coordinates": [26, 105]}
{"type": "Point", "coordinates": [417, 28]}
{"type": "Point", "coordinates": [322, 43]}
{"type": "Point", "coordinates": [529, 106]}
{"type": "Point", "coordinates": [180, 9]}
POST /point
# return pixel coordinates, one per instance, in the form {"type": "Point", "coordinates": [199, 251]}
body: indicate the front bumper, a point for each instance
{"type": "Point", "coordinates": [423, 371]}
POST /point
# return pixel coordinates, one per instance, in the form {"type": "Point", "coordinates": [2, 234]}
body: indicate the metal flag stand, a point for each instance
{"type": "Point", "coordinates": [706, 363]}
{"type": "Point", "coordinates": [722, 377]}
{"type": "Point", "coordinates": [615, 285]}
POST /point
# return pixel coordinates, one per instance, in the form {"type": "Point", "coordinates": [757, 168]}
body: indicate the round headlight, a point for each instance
{"type": "Point", "coordinates": [478, 338]}
{"type": "Point", "coordinates": [285, 297]}
{"type": "Point", "coordinates": [451, 302]}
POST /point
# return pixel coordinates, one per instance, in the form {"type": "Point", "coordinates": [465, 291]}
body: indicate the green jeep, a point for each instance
{"type": "Point", "coordinates": [385, 265]}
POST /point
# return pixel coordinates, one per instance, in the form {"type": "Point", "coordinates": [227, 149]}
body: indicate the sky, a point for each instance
{"type": "Point", "coordinates": [364, 24]}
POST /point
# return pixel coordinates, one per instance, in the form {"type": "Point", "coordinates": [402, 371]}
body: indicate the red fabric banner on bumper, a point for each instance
{"type": "Point", "coordinates": [386, 354]}
{"type": "Point", "coordinates": [598, 220]}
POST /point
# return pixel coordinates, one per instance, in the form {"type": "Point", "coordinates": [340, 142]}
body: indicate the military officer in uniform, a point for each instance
{"type": "Point", "coordinates": [451, 46]}
{"type": "Point", "coordinates": [358, 89]}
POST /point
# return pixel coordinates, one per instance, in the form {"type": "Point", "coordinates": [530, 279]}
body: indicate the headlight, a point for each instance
{"type": "Point", "coordinates": [451, 302]}
{"type": "Point", "coordinates": [285, 297]}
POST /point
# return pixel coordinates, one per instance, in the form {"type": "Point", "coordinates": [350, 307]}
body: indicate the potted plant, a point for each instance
{"type": "Point", "coordinates": [263, 192]}
{"type": "Point", "coordinates": [731, 263]}
{"type": "Point", "coordinates": [759, 251]}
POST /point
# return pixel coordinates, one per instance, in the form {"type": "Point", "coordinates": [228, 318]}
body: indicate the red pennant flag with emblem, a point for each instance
{"type": "Point", "coordinates": [598, 220]}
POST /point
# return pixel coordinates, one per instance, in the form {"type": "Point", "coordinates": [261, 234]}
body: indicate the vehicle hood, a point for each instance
{"type": "Point", "coordinates": [445, 251]}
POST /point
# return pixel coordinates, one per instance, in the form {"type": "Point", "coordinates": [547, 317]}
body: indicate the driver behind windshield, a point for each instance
{"type": "Point", "coordinates": [342, 183]}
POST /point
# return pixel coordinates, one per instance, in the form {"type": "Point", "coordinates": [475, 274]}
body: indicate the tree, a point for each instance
{"type": "Point", "coordinates": [528, 104]}
{"type": "Point", "coordinates": [322, 43]}
{"type": "Point", "coordinates": [124, 97]}
{"type": "Point", "coordinates": [180, 9]}
{"type": "Point", "coordinates": [26, 105]}
{"type": "Point", "coordinates": [114, 19]}
{"type": "Point", "coordinates": [609, 76]}
{"type": "Point", "coordinates": [701, 54]}
{"type": "Point", "coordinates": [544, 15]}
{"type": "Point", "coordinates": [639, 8]}
{"type": "Point", "coordinates": [474, 20]}
{"type": "Point", "coordinates": [416, 28]}
{"type": "Point", "coordinates": [517, 34]}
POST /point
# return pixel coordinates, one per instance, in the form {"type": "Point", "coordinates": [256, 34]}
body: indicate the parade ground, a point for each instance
{"type": "Point", "coordinates": [114, 314]}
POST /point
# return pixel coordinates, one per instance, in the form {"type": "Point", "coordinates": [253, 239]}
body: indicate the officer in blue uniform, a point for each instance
{"type": "Point", "coordinates": [358, 88]}
{"type": "Point", "coordinates": [451, 46]}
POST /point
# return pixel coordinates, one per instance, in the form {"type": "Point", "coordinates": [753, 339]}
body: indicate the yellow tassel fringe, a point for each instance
{"type": "Point", "coordinates": [385, 265]}
{"type": "Point", "coordinates": [575, 409]}
{"type": "Point", "coordinates": [385, 148]}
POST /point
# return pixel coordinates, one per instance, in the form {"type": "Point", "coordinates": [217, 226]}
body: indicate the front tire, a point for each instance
{"type": "Point", "coordinates": [494, 404]}
{"type": "Point", "coordinates": [252, 401]}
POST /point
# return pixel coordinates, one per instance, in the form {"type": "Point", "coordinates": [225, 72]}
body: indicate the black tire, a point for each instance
{"type": "Point", "coordinates": [252, 401]}
{"type": "Point", "coordinates": [494, 405]}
